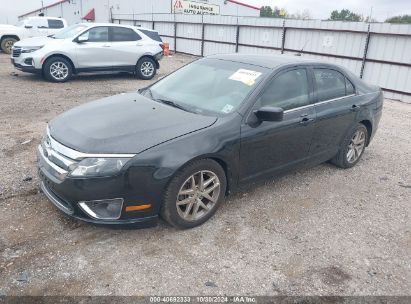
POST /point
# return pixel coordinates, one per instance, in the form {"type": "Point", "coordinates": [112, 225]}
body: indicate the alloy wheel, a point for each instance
{"type": "Point", "coordinates": [9, 45]}
{"type": "Point", "coordinates": [59, 70]}
{"type": "Point", "coordinates": [198, 195]}
{"type": "Point", "coordinates": [147, 68]}
{"type": "Point", "coordinates": [356, 146]}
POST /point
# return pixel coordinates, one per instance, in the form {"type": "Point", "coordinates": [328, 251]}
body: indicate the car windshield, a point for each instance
{"type": "Point", "coordinates": [69, 32]}
{"type": "Point", "coordinates": [209, 86]}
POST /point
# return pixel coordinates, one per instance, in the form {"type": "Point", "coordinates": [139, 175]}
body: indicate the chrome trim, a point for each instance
{"type": "Point", "coordinates": [76, 155]}
{"type": "Point", "coordinates": [334, 99]}
{"type": "Point", "coordinates": [51, 164]}
{"type": "Point", "coordinates": [54, 200]}
{"type": "Point", "coordinates": [66, 161]}
{"type": "Point", "coordinates": [299, 108]}
{"type": "Point", "coordinates": [91, 213]}
{"type": "Point", "coordinates": [318, 103]}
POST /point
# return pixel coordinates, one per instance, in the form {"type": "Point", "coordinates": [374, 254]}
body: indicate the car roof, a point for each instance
{"type": "Point", "coordinates": [270, 61]}
{"type": "Point", "coordinates": [114, 24]}
{"type": "Point", "coordinates": [44, 17]}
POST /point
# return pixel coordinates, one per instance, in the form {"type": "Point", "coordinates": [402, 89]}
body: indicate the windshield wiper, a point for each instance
{"type": "Point", "coordinates": [173, 104]}
{"type": "Point", "coordinates": [165, 101]}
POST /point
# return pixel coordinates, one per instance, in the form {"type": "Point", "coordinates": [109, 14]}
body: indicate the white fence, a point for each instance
{"type": "Point", "coordinates": [380, 53]}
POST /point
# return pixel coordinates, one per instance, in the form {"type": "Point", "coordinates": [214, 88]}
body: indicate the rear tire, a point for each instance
{"type": "Point", "coordinates": [7, 44]}
{"type": "Point", "coordinates": [146, 68]}
{"type": "Point", "coordinates": [194, 194]}
{"type": "Point", "coordinates": [57, 69]}
{"type": "Point", "coordinates": [352, 147]}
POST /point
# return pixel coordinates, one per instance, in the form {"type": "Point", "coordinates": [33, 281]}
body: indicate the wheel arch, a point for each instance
{"type": "Point", "coordinates": [9, 36]}
{"type": "Point", "coordinates": [60, 55]}
{"type": "Point", "coordinates": [151, 57]}
{"type": "Point", "coordinates": [219, 160]}
{"type": "Point", "coordinates": [367, 123]}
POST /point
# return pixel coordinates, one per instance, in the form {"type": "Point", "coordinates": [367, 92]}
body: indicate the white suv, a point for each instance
{"type": "Point", "coordinates": [90, 47]}
{"type": "Point", "coordinates": [30, 27]}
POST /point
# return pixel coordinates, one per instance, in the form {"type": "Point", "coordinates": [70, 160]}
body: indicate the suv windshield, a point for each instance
{"type": "Point", "coordinates": [69, 32]}
{"type": "Point", "coordinates": [210, 86]}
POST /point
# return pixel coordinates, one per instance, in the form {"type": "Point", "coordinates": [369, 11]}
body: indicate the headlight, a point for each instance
{"type": "Point", "coordinates": [30, 49]}
{"type": "Point", "coordinates": [98, 167]}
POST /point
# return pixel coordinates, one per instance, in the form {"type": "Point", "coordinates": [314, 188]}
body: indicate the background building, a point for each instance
{"type": "Point", "coordinates": [101, 10]}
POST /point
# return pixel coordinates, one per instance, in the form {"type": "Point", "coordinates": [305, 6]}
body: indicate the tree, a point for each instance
{"type": "Point", "coordinates": [267, 11]}
{"type": "Point", "coordinates": [399, 19]}
{"type": "Point", "coordinates": [345, 15]}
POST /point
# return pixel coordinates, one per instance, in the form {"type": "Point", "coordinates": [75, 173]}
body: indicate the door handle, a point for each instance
{"type": "Point", "coordinates": [306, 121]}
{"type": "Point", "coordinates": [106, 45]}
{"type": "Point", "coordinates": [355, 108]}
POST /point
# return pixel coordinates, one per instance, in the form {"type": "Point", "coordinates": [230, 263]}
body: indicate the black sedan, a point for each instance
{"type": "Point", "coordinates": [177, 148]}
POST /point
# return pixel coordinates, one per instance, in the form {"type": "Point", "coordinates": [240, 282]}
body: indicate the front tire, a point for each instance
{"type": "Point", "coordinates": [146, 68]}
{"type": "Point", "coordinates": [194, 194]}
{"type": "Point", "coordinates": [57, 69]}
{"type": "Point", "coordinates": [7, 44]}
{"type": "Point", "coordinates": [352, 147]}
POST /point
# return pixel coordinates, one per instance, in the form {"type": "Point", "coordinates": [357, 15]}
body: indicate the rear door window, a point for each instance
{"type": "Point", "coordinates": [123, 34]}
{"type": "Point", "coordinates": [152, 34]}
{"type": "Point", "coordinates": [349, 87]}
{"type": "Point", "coordinates": [55, 24]}
{"type": "Point", "coordinates": [332, 84]}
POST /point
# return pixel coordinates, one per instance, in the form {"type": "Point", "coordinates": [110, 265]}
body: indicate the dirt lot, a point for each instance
{"type": "Point", "coordinates": [320, 231]}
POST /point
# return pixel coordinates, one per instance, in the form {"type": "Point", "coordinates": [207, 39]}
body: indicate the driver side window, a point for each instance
{"type": "Point", "coordinates": [288, 90]}
{"type": "Point", "coordinates": [97, 34]}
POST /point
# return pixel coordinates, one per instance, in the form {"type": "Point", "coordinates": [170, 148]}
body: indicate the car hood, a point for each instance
{"type": "Point", "coordinates": [126, 123]}
{"type": "Point", "coordinates": [33, 42]}
{"type": "Point", "coordinates": [8, 27]}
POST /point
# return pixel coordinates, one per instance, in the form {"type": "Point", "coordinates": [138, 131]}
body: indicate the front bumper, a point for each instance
{"type": "Point", "coordinates": [65, 193]}
{"type": "Point", "coordinates": [67, 209]}
{"type": "Point", "coordinates": [24, 67]}
{"type": "Point", "coordinates": [26, 62]}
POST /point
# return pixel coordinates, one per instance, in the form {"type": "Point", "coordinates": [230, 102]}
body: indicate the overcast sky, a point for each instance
{"type": "Point", "coordinates": [319, 9]}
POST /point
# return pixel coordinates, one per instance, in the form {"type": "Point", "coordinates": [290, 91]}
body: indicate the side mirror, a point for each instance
{"type": "Point", "coordinates": [269, 114]}
{"type": "Point", "coordinates": [27, 26]}
{"type": "Point", "coordinates": [82, 39]}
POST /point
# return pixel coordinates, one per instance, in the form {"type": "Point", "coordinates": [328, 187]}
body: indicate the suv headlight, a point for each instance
{"type": "Point", "coordinates": [30, 49]}
{"type": "Point", "coordinates": [97, 167]}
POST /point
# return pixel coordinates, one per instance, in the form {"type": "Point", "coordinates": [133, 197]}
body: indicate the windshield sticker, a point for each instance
{"type": "Point", "coordinates": [247, 77]}
{"type": "Point", "coordinates": [227, 108]}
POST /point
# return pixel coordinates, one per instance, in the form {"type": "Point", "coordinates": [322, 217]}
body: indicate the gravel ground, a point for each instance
{"type": "Point", "coordinates": [320, 231]}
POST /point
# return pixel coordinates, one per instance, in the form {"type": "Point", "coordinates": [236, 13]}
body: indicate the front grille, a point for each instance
{"type": "Point", "coordinates": [16, 51]}
{"type": "Point", "coordinates": [55, 156]}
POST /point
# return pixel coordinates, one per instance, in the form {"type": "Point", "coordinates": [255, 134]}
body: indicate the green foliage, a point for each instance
{"type": "Point", "coordinates": [399, 19]}
{"type": "Point", "coordinates": [345, 15]}
{"type": "Point", "coordinates": [268, 11]}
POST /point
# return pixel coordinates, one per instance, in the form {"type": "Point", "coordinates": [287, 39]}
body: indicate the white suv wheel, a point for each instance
{"type": "Point", "coordinates": [59, 70]}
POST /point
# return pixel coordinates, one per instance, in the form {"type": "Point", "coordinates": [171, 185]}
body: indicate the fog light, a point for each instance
{"type": "Point", "coordinates": [29, 61]}
{"type": "Point", "coordinates": [109, 209]}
